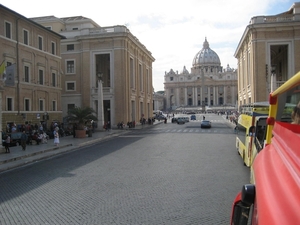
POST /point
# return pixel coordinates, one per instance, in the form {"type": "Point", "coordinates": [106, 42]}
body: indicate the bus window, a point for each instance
{"type": "Point", "coordinates": [252, 131]}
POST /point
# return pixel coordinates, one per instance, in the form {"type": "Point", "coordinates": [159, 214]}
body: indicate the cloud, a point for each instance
{"type": "Point", "coordinates": [174, 31]}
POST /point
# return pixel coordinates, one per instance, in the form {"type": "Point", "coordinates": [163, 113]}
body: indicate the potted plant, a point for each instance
{"type": "Point", "coordinates": [81, 116]}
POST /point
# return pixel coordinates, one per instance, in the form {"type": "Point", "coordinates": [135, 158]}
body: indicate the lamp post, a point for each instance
{"type": "Point", "coordinates": [100, 100]}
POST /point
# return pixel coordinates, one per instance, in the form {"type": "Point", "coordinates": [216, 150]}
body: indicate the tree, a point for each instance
{"type": "Point", "coordinates": [81, 116]}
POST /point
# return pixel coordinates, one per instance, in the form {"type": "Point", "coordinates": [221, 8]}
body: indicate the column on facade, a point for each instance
{"type": "Point", "coordinates": [216, 95]}
{"type": "Point", "coordinates": [194, 96]}
{"type": "Point", "coordinates": [185, 96]}
{"type": "Point", "coordinates": [168, 95]}
{"type": "Point", "coordinates": [208, 95]}
{"type": "Point", "coordinates": [225, 95]}
{"type": "Point", "coordinates": [177, 97]}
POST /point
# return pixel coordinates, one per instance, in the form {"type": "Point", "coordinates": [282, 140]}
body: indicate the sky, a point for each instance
{"type": "Point", "coordinates": [172, 30]}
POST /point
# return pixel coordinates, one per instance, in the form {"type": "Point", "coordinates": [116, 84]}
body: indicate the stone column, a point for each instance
{"type": "Point", "coordinates": [100, 105]}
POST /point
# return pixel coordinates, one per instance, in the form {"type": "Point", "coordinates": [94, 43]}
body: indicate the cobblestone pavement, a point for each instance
{"type": "Point", "coordinates": [17, 157]}
{"type": "Point", "coordinates": [135, 178]}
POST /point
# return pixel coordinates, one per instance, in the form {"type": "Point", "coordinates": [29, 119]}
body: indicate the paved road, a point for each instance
{"type": "Point", "coordinates": [136, 178]}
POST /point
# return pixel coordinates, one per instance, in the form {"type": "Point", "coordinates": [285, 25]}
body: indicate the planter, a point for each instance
{"type": "Point", "coordinates": [80, 133]}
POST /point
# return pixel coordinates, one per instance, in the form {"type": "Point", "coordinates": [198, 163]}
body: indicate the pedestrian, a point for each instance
{"type": "Point", "coordinates": [23, 140]}
{"type": "Point", "coordinates": [56, 137]}
{"type": "Point", "coordinates": [7, 143]}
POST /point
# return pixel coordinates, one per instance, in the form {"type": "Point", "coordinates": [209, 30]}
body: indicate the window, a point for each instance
{"type": "Point", "coordinates": [40, 43]}
{"type": "Point", "coordinates": [171, 78]}
{"type": "Point", "coordinates": [26, 105]}
{"type": "Point", "coordinates": [141, 78]}
{"type": "Point", "coordinates": [70, 47]}
{"type": "Point", "coordinates": [9, 104]}
{"type": "Point", "coordinates": [70, 66]}
{"type": "Point", "coordinates": [41, 105]}
{"type": "Point", "coordinates": [7, 29]}
{"type": "Point", "coordinates": [53, 105]}
{"type": "Point", "coordinates": [70, 106]}
{"type": "Point", "coordinates": [53, 48]}
{"type": "Point", "coordinates": [70, 86]}
{"type": "Point", "coordinates": [75, 28]}
{"type": "Point", "coordinates": [53, 79]}
{"type": "Point", "coordinates": [26, 73]}
{"type": "Point", "coordinates": [132, 80]}
{"type": "Point", "coordinates": [41, 77]}
{"type": "Point", "coordinates": [25, 37]}
{"type": "Point", "coordinates": [49, 28]}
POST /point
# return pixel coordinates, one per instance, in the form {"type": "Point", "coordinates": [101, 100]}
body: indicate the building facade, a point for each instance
{"type": "Point", "coordinates": [268, 54]}
{"type": "Point", "coordinates": [31, 85]}
{"type": "Point", "coordinates": [106, 68]}
{"type": "Point", "coordinates": [207, 85]}
{"type": "Point", "coordinates": [158, 101]}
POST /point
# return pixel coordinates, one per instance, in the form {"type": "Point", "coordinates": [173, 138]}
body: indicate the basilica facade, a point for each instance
{"type": "Point", "coordinates": [208, 85]}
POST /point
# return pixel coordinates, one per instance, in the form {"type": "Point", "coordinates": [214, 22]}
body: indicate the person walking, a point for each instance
{"type": "Point", "coordinates": [7, 143]}
{"type": "Point", "coordinates": [23, 140]}
{"type": "Point", "coordinates": [56, 137]}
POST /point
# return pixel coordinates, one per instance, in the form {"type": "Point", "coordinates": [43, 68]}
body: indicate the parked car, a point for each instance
{"type": "Point", "coordinates": [174, 120]}
{"type": "Point", "coordinates": [180, 120]}
{"type": "Point", "coordinates": [193, 117]}
{"type": "Point", "coordinates": [205, 124]}
{"type": "Point", "coordinates": [15, 138]}
{"type": "Point", "coordinates": [160, 117]}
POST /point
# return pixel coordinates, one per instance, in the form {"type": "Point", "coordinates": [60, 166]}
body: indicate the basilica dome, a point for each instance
{"type": "Point", "coordinates": [206, 57]}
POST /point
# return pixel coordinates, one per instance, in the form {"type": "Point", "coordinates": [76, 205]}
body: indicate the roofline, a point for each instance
{"type": "Point", "coordinates": [30, 21]}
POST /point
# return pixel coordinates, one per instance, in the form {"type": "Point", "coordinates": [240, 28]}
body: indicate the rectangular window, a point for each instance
{"type": "Point", "coordinates": [70, 66]}
{"type": "Point", "coordinates": [7, 29]}
{"type": "Point", "coordinates": [41, 77]}
{"type": "Point", "coordinates": [70, 106]}
{"type": "Point", "coordinates": [27, 105]}
{"type": "Point", "coordinates": [25, 37]}
{"type": "Point", "coordinates": [70, 47]}
{"type": "Point", "coordinates": [53, 79]}
{"type": "Point", "coordinates": [132, 80]}
{"type": "Point", "coordinates": [141, 78]}
{"type": "Point", "coordinates": [53, 48]}
{"type": "Point", "coordinates": [40, 43]}
{"type": "Point", "coordinates": [9, 104]}
{"type": "Point", "coordinates": [171, 78]}
{"type": "Point", "coordinates": [26, 73]}
{"type": "Point", "coordinates": [41, 104]}
{"type": "Point", "coordinates": [70, 86]}
{"type": "Point", "coordinates": [53, 105]}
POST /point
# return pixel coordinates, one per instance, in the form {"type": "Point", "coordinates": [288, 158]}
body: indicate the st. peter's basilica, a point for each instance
{"type": "Point", "coordinates": [208, 84]}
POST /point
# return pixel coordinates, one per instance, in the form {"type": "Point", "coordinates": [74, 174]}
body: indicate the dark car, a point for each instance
{"type": "Point", "coordinates": [193, 117]}
{"type": "Point", "coordinates": [15, 138]}
{"type": "Point", "coordinates": [181, 120]}
{"type": "Point", "coordinates": [174, 120]}
{"type": "Point", "coordinates": [205, 124]}
{"type": "Point", "coordinates": [160, 117]}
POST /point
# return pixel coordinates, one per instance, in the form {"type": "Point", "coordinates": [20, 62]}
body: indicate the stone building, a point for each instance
{"type": "Point", "coordinates": [31, 54]}
{"type": "Point", "coordinates": [208, 84]}
{"type": "Point", "coordinates": [106, 68]}
{"type": "Point", "coordinates": [268, 54]}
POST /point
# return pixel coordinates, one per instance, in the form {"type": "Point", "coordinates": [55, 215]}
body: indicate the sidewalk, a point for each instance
{"type": "Point", "coordinates": [17, 157]}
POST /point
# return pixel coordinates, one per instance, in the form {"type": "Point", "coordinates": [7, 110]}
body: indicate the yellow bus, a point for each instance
{"type": "Point", "coordinates": [251, 130]}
